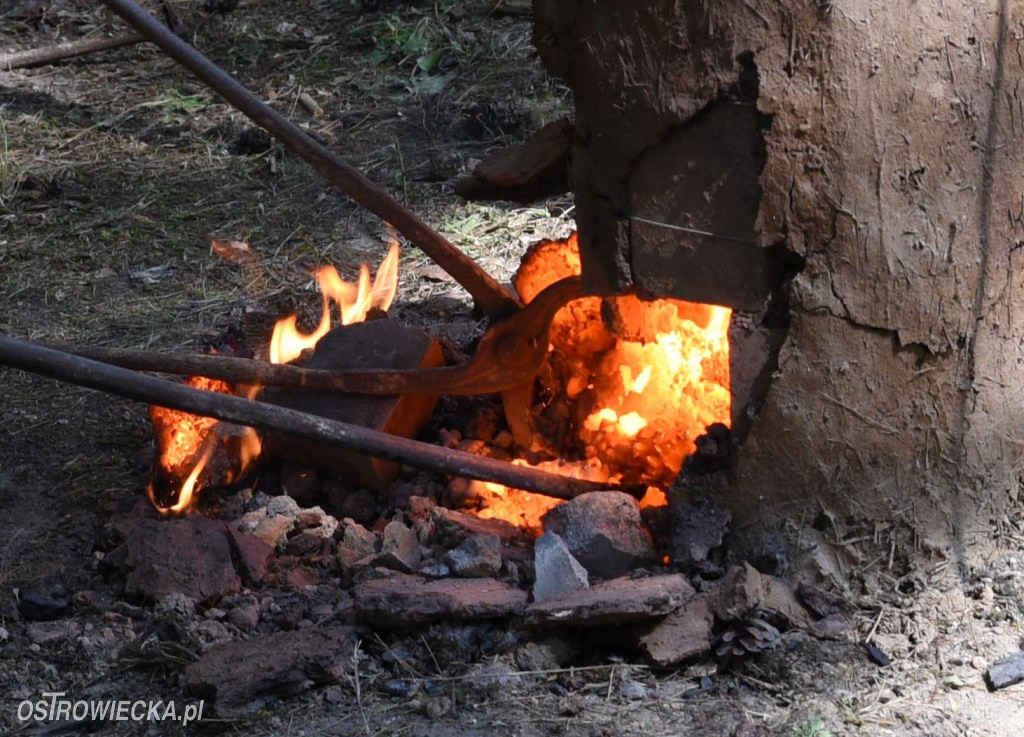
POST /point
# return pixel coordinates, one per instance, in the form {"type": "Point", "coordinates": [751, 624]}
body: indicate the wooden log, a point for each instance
{"type": "Point", "coordinates": [494, 299]}
{"type": "Point", "coordinates": [69, 49]}
{"type": "Point", "coordinates": [123, 382]}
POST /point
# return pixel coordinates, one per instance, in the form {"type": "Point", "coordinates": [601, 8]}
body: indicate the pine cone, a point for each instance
{"type": "Point", "coordinates": [742, 639]}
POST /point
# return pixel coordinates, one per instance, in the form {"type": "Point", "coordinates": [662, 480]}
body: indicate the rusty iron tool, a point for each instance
{"type": "Point", "coordinates": [507, 360]}
{"type": "Point", "coordinates": [152, 390]}
{"type": "Point", "coordinates": [494, 299]}
{"type": "Point", "coordinates": [509, 355]}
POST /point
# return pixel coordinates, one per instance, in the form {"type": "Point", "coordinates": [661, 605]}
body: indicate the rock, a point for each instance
{"type": "Point", "coordinates": [211, 632]}
{"type": "Point", "coordinates": [455, 526]}
{"type": "Point", "coordinates": [400, 548]}
{"type": "Point", "coordinates": [245, 616]}
{"type": "Point", "coordinates": [550, 654]}
{"type": "Point", "coordinates": [477, 557]}
{"type": "Point", "coordinates": [300, 482]}
{"type": "Point", "coordinates": [191, 556]}
{"type": "Point", "coordinates": [360, 505]}
{"type": "Point", "coordinates": [283, 505]}
{"type": "Point", "coordinates": [1006, 672]}
{"type": "Point", "coordinates": [404, 599]}
{"type": "Point", "coordinates": [50, 633]}
{"type": "Point", "coordinates": [557, 572]}
{"type": "Point", "coordinates": [743, 590]}
{"type": "Point", "coordinates": [252, 555]}
{"type": "Point", "coordinates": [768, 555]}
{"type": "Point", "coordinates": [356, 546]}
{"type": "Point", "coordinates": [684, 634]}
{"type": "Point", "coordinates": [698, 528]}
{"type": "Point", "coordinates": [176, 603]}
{"type": "Point", "coordinates": [37, 607]}
{"type": "Point", "coordinates": [433, 569]}
{"type": "Point", "coordinates": [270, 528]}
{"type": "Point", "coordinates": [613, 602]}
{"type": "Point", "coordinates": [490, 679]}
{"type": "Point", "coordinates": [634, 691]}
{"type": "Point", "coordinates": [604, 531]}
{"type": "Point", "coordinates": [243, 677]}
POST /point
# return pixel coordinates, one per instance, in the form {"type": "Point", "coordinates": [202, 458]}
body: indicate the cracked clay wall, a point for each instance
{"type": "Point", "coordinates": [894, 167]}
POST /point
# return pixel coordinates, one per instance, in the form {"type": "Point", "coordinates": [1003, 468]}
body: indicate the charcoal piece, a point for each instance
{"type": "Point", "coordinates": [698, 528]}
{"type": "Point", "coordinates": [244, 677]}
{"type": "Point", "coordinates": [399, 687]}
{"type": "Point", "coordinates": [37, 607]}
{"type": "Point", "coordinates": [1006, 672]}
{"type": "Point", "coordinates": [377, 344]}
{"type": "Point", "coordinates": [714, 451]}
{"type": "Point", "coordinates": [876, 656]}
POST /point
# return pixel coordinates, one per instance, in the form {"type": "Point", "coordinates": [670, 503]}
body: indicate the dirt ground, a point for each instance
{"type": "Point", "coordinates": [115, 172]}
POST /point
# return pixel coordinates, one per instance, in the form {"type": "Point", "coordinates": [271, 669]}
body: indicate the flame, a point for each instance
{"type": "Point", "coordinates": [353, 301]}
{"type": "Point", "coordinates": [205, 451]}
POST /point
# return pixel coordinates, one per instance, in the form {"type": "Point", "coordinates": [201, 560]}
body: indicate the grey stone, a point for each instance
{"type": "Point", "coordinates": [50, 633]}
{"type": "Point", "coordinates": [478, 556]}
{"type": "Point", "coordinates": [557, 571]}
{"type": "Point", "coordinates": [604, 531]}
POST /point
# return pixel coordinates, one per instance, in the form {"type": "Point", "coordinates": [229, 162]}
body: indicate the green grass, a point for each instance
{"type": "Point", "coordinates": [813, 727]}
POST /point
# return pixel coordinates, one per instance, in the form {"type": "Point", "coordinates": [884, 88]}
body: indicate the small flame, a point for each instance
{"type": "Point", "coordinates": [353, 302]}
{"type": "Point", "coordinates": [188, 486]}
{"type": "Point", "coordinates": [197, 443]}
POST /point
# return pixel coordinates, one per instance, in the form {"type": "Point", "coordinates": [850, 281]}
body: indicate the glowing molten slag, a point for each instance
{"type": "Point", "coordinates": [195, 451]}
{"type": "Point", "coordinates": [635, 383]}
{"type": "Point", "coordinates": [353, 302]}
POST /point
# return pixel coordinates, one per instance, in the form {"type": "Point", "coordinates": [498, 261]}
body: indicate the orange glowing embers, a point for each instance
{"type": "Point", "coordinates": [631, 384]}
{"type": "Point", "coordinates": [196, 452]}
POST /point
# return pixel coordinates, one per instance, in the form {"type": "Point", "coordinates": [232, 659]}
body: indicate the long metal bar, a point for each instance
{"type": "Point", "coordinates": [494, 299]}
{"type": "Point", "coordinates": [141, 387]}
